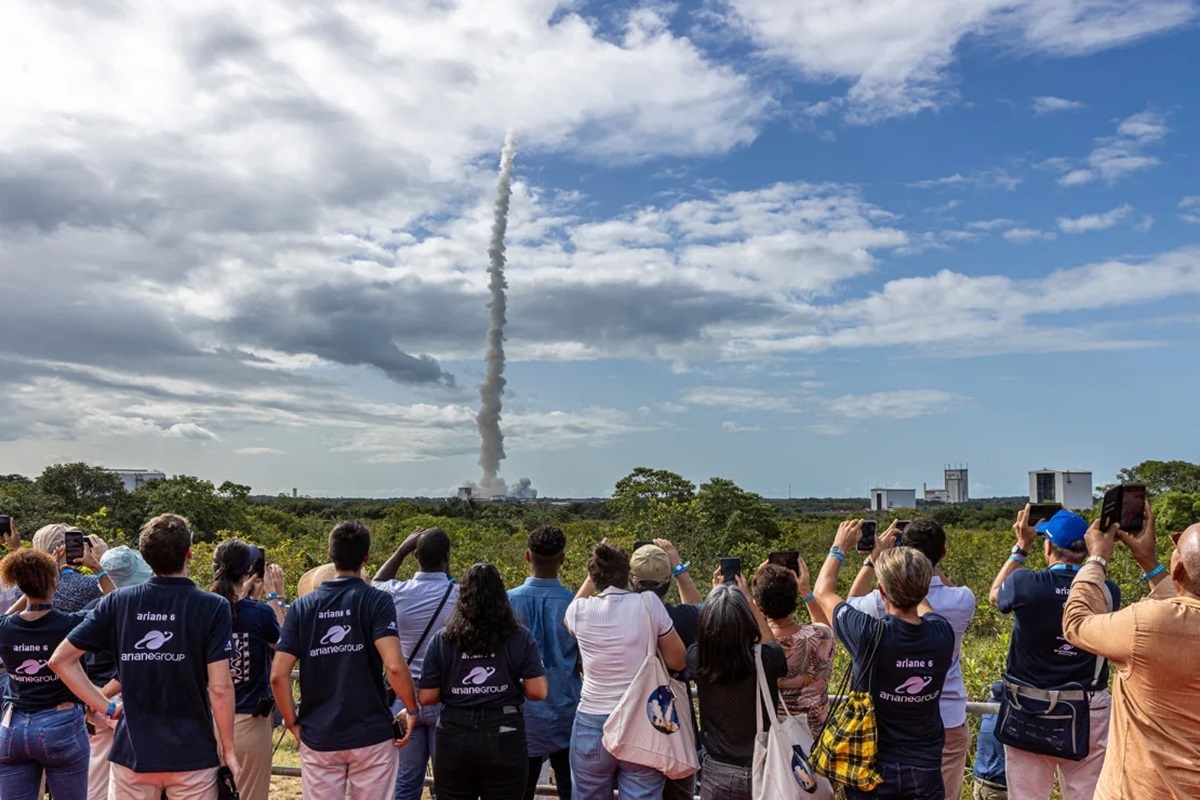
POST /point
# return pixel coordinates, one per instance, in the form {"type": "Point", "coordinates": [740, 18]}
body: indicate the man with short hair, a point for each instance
{"type": "Point", "coordinates": [422, 608]}
{"type": "Point", "coordinates": [172, 644]}
{"type": "Point", "coordinates": [954, 603]}
{"type": "Point", "coordinates": [541, 606]}
{"type": "Point", "coordinates": [653, 568]}
{"type": "Point", "coordinates": [1153, 644]}
{"type": "Point", "coordinates": [1040, 657]}
{"type": "Point", "coordinates": [343, 634]}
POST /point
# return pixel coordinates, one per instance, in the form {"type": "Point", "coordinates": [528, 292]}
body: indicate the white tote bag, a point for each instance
{"type": "Point", "coordinates": [646, 727]}
{"type": "Point", "coordinates": [781, 766]}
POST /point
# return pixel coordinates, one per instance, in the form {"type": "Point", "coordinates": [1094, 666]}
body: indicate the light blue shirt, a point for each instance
{"type": "Point", "coordinates": [416, 600]}
{"type": "Point", "coordinates": [541, 605]}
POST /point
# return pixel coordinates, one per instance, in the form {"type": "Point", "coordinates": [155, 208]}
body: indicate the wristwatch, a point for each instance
{"type": "Point", "coordinates": [1101, 560]}
{"type": "Point", "coordinates": [867, 562]}
{"type": "Point", "coordinates": [1017, 551]}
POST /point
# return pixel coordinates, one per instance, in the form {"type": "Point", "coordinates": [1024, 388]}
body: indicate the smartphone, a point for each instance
{"type": "Point", "coordinates": [1133, 507]}
{"type": "Point", "coordinates": [786, 558]}
{"type": "Point", "coordinates": [5, 524]}
{"type": "Point", "coordinates": [867, 542]}
{"type": "Point", "coordinates": [1040, 512]}
{"type": "Point", "coordinates": [640, 543]}
{"type": "Point", "coordinates": [901, 524]}
{"type": "Point", "coordinates": [398, 729]}
{"type": "Point", "coordinates": [1124, 505]}
{"type": "Point", "coordinates": [260, 562]}
{"type": "Point", "coordinates": [74, 543]}
{"type": "Point", "coordinates": [730, 569]}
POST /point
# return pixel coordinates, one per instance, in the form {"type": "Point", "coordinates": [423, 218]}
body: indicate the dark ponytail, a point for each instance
{"type": "Point", "coordinates": [231, 563]}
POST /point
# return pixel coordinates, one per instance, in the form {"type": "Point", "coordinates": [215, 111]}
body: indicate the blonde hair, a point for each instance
{"type": "Point", "coordinates": [51, 537]}
{"type": "Point", "coordinates": [904, 575]}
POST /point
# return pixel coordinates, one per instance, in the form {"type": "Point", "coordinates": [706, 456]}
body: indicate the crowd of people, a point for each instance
{"type": "Point", "coordinates": [133, 682]}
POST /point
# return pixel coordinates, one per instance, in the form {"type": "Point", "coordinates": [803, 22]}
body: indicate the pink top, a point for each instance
{"type": "Point", "coordinates": [805, 688]}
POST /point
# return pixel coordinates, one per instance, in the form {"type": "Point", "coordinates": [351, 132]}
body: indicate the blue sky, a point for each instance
{"type": "Point", "coordinates": [803, 244]}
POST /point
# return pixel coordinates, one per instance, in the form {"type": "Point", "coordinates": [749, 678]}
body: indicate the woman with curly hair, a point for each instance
{"type": "Point", "coordinates": [809, 648]}
{"type": "Point", "coordinates": [481, 667]}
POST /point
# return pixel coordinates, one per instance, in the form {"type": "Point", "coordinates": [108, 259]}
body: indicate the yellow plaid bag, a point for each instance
{"type": "Point", "coordinates": [846, 750]}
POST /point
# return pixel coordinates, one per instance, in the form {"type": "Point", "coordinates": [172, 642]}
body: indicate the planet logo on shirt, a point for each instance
{"type": "Point", "coordinates": [154, 640]}
{"type": "Point", "coordinates": [479, 675]}
{"type": "Point", "coordinates": [335, 634]}
{"type": "Point", "coordinates": [914, 685]}
{"type": "Point", "coordinates": [30, 667]}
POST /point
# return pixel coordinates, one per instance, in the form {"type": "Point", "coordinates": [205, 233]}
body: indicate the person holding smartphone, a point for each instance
{"type": "Point", "coordinates": [256, 626]}
{"type": "Point", "coordinates": [75, 590]}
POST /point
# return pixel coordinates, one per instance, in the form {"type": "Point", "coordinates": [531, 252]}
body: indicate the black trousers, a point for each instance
{"type": "Point", "coordinates": [481, 754]}
{"type": "Point", "coordinates": [560, 762]}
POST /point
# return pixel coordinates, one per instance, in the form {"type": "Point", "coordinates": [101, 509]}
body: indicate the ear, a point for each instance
{"type": "Point", "coordinates": [528, 557]}
{"type": "Point", "coordinates": [1047, 548]}
{"type": "Point", "coordinates": [366, 558]}
{"type": "Point", "coordinates": [562, 559]}
{"type": "Point", "coordinates": [188, 556]}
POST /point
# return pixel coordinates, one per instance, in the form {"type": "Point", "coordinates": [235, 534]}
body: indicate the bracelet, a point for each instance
{"type": "Point", "coordinates": [810, 598]}
{"type": "Point", "coordinates": [838, 556]}
{"type": "Point", "coordinates": [1019, 559]}
{"type": "Point", "coordinates": [1154, 573]}
{"type": "Point", "coordinates": [835, 549]}
{"type": "Point", "coordinates": [101, 574]}
{"type": "Point", "coordinates": [1101, 560]}
{"type": "Point", "coordinates": [112, 709]}
{"type": "Point", "coordinates": [679, 569]}
{"type": "Point", "coordinates": [271, 596]}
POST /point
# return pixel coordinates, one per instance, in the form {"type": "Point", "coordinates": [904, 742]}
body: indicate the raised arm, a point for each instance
{"type": "Point", "coordinates": [1026, 539]}
{"type": "Point", "coordinates": [388, 571]}
{"type": "Point", "coordinates": [765, 634]}
{"type": "Point", "coordinates": [804, 589]}
{"type": "Point", "coordinates": [864, 581]}
{"type": "Point", "coordinates": [688, 593]}
{"type": "Point", "coordinates": [12, 538]}
{"type": "Point", "coordinates": [1087, 622]}
{"type": "Point", "coordinates": [825, 592]}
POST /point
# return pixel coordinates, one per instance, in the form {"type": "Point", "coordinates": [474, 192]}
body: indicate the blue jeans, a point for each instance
{"type": "Point", "coordinates": [593, 768]}
{"type": "Point", "coordinates": [52, 741]}
{"type": "Point", "coordinates": [904, 782]}
{"type": "Point", "coordinates": [415, 756]}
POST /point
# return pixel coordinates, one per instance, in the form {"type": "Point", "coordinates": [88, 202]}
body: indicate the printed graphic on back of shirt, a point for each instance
{"type": "Point", "coordinates": [154, 641]}
{"type": "Point", "coordinates": [660, 708]}
{"type": "Point", "coordinates": [34, 666]}
{"type": "Point", "coordinates": [335, 632]}
{"type": "Point", "coordinates": [478, 679]}
{"type": "Point", "coordinates": [239, 664]}
{"type": "Point", "coordinates": [912, 688]}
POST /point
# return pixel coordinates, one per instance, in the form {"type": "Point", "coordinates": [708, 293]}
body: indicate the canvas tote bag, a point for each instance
{"type": "Point", "coordinates": [781, 754]}
{"type": "Point", "coordinates": [646, 727]}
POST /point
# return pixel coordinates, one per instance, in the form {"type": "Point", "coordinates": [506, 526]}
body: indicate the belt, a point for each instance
{"type": "Point", "coordinates": [481, 714]}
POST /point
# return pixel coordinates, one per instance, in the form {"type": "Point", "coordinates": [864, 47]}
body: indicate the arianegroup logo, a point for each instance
{"type": "Point", "coordinates": [335, 634]}
{"type": "Point", "coordinates": [478, 676]}
{"type": "Point", "coordinates": [154, 640]}
{"type": "Point", "coordinates": [914, 685]}
{"type": "Point", "coordinates": [30, 667]}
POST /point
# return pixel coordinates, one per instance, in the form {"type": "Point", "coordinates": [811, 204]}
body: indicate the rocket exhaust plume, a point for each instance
{"type": "Point", "coordinates": [491, 449]}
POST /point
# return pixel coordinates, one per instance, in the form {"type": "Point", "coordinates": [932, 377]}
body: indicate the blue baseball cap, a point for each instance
{"type": "Point", "coordinates": [1063, 529]}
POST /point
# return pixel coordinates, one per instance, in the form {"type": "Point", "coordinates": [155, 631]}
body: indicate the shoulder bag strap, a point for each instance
{"type": "Point", "coordinates": [1100, 660]}
{"type": "Point", "coordinates": [429, 627]}
{"type": "Point", "coordinates": [764, 691]}
{"type": "Point", "coordinates": [652, 639]}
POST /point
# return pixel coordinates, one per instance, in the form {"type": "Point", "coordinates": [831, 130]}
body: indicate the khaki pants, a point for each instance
{"type": "Point", "coordinates": [100, 743]}
{"type": "Point", "coordinates": [954, 760]}
{"type": "Point", "coordinates": [985, 792]}
{"type": "Point", "coordinates": [126, 784]}
{"type": "Point", "coordinates": [365, 773]}
{"type": "Point", "coordinates": [252, 745]}
{"type": "Point", "coordinates": [1031, 776]}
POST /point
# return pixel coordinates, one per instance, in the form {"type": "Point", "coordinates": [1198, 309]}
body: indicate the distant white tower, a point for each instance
{"type": "Point", "coordinates": [956, 485]}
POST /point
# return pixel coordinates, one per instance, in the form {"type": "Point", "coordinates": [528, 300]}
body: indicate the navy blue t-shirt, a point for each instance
{"type": "Point", "coordinates": [100, 667]}
{"type": "Point", "coordinates": [910, 669]}
{"type": "Point", "coordinates": [26, 646]}
{"type": "Point", "coordinates": [1038, 655]}
{"type": "Point", "coordinates": [481, 681]}
{"type": "Point", "coordinates": [164, 634]}
{"type": "Point", "coordinates": [254, 631]}
{"type": "Point", "coordinates": [332, 632]}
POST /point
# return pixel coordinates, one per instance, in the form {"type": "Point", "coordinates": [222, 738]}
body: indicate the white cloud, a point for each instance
{"type": "Point", "coordinates": [1094, 222]}
{"type": "Point", "coordinates": [1119, 156]}
{"type": "Point", "coordinates": [1027, 235]}
{"type": "Point", "coordinates": [1050, 104]}
{"type": "Point", "coordinates": [990, 224]}
{"type": "Point", "coordinates": [902, 404]}
{"type": "Point", "coordinates": [993, 178]}
{"type": "Point", "coordinates": [737, 398]}
{"type": "Point", "coordinates": [1189, 209]}
{"type": "Point", "coordinates": [897, 54]}
{"type": "Point", "coordinates": [258, 451]}
{"type": "Point", "coordinates": [735, 427]}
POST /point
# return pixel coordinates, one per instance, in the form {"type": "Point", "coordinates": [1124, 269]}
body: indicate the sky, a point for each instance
{"type": "Point", "coordinates": [813, 246]}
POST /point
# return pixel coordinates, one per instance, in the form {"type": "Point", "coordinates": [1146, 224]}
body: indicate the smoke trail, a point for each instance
{"type": "Point", "coordinates": [491, 449]}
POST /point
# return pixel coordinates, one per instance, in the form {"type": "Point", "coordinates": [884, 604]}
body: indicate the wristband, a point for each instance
{"type": "Point", "coordinates": [836, 549]}
{"type": "Point", "coordinates": [1017, 558]}
{"type": "Point", "coordinates": [1154, 573]}
{"type": "Point", "coordinates": [271, 596]}
{"type": "Point", "coordinates": [101, 574]}
{"type": "Point", "coordinates": [810, 598]}
{"type": "Point", "coordinates": [112, 709]}
{"type": "Point", "coordinates": [679, 569]}
{"type": "Point", "coordinates": [837, 555]}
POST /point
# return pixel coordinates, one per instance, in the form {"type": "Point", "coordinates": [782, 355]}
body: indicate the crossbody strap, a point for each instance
{"type": "Point", "coordinates": [1100, 660]}
{"type": "Point", "coordinates": [429, 627]}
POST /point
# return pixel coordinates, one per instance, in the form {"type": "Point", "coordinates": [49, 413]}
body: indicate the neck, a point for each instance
{"type": "Point", "coordinates": [348, 573]}
{"type": "Point", "coordinates": [183, 574]}
{"type": "Point", "coordinates": [785, 622]}
{"type": "Point", "coordinates": [549, 573]}
{"type": "Point", "coordinates": [39, 601]}
{"type": "Point", "coordinates": [910, 615]}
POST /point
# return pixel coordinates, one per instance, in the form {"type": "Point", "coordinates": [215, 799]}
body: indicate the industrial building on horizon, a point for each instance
{"type": "Point", "coordinates": [136, 478]}
{"type": "Point", "coordinates": [956, 487]}
{"type": "Point", "coordinates": [1072, 488]}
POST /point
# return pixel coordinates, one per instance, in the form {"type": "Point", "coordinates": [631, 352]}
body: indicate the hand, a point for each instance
{"type": "Point", "coordinates": [60, 555]}
{"type": "Point", "coordinates": [294, 728]}
{"type": "Point", "coordinates": [848, 534]}
{"type": "Point", "coordinates": [1101, 543]}
{"type": "Point", "coordinates": [98, 545]}
{"type": "Point", "coordinates": [252, 587]}
{"type": "Point", "coordinates": [91, 559]}
{"type": "Point", "coordinates": [409, 545]}
{"type": "Point", "coordinates": [234, 765]}
{"type": "Point", "coordinates": [718, 578]}
{"type": "Point", "coordinates": [883, 542]}
{"type": "Point", "coordinates": [669, 549]}
{"type": "Point", "coordinates": [273, 580]}
{"type": "Point", "coordinates": [14, 537]}
{"type": "Point", "coordinates": [745, 587]}
{"type": "Point", "coordinates": [802, 580]}
{"type": "Point", "coordinates": [1026, 536]}
{"type": "Point", "coordinates": [410, 723]}
{"type": "Point", "coordinates": [1144, 544]}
